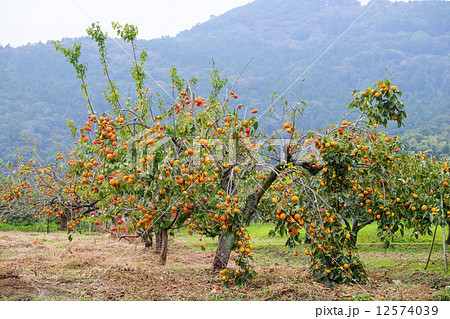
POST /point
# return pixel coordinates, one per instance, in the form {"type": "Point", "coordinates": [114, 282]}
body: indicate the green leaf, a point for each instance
{"type": "Point", "coordinates": [255, 125]}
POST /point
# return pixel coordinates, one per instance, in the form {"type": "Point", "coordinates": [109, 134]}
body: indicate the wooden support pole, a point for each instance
{"type": "Point", "coordinates": [443, 235]}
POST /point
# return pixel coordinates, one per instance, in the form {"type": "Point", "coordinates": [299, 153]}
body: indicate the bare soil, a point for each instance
{"type": "Point", "coordinates": [37, 266]}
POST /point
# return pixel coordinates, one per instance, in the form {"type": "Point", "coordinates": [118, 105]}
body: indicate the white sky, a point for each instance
{"type": "Point", "coordinates": [31, 21]}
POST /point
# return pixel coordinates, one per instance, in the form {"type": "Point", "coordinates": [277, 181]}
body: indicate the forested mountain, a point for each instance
{"type": "Point", "coordinates": [281, 38]}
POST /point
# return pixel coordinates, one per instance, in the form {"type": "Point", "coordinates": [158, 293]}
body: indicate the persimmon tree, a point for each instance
{"type": "Point", "coordinates": [14, 187]}
{"type": "Point", "coordinates": [362, 177]}
{"type": "Point", "coordinates": [37, 191]}
{"type": "Point", "coordinates": [158, 166]}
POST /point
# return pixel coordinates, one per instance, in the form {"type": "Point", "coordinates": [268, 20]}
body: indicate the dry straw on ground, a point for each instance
{"type": "Point", "coordinates": [49, 267]}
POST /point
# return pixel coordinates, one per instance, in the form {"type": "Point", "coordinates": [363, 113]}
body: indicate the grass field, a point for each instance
{"type": "Point", "coordinates": [95, 266]}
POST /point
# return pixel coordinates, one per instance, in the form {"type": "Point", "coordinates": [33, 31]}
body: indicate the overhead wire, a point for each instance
{"type": "Point", "coordinates": [318, 58]}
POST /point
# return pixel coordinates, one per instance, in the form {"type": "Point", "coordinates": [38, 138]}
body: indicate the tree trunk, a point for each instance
{"type": "Point", "coordinates": [355, 229]}
{"type": "Point", "coordinates": [226, 241]}
{"type": "Point", "coordinates": [158, 242]}
{"type": "Point", "coordinates": [223, 252]}
{"type": "Point", "coordinates": [147, 240]}
{"type": "Point", "coordinates": [63, 220]}
{"type": "Point", "coordinates": [225, 244]}
{"type": "Point", "coordinates": [164, 242]}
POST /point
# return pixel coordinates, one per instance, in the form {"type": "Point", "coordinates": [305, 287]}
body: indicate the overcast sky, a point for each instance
{"type": "Point", "coordinates": [31, 21]}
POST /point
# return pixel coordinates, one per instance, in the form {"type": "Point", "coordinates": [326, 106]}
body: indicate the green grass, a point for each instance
{"type": "Point", "coordinates": [39, 228]}
{"type": "Point", "coordinates": [34, 227]}
{"type": "Point", "coordinates": [266, 245]}
{"type": "Point", "coordinates": [369, 235]}
{"type": "Point", "coordinates": [367, 239]}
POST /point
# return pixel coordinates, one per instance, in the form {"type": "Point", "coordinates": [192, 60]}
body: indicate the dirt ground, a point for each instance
{"type": "Point", "coordinates": [99, 267]}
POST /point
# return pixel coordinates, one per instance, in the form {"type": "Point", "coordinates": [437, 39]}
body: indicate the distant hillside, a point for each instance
{"type": "Point", "coordinates": [39, 91]}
